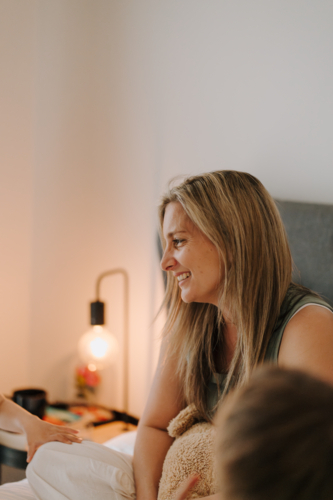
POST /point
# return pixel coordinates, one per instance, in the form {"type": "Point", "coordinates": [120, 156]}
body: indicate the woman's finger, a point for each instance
{"type": "Point", "coordinates": [69, 430]}
{"type": "Point", "coordinates": [31, 451]}
{"type": "Point", "coordinates": [186, 486]}
{"type": "Point", "coordinates": [67, 438]}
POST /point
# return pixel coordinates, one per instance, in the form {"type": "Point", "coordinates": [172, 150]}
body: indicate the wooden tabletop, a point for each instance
{"type": "Point", "coordinates": [102, 433]}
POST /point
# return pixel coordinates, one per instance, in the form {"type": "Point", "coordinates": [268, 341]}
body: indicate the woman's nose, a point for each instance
{"type": "Point", "coordinates": [167, 261]}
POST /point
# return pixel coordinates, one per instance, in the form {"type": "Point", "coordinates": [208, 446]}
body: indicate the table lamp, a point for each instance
{"type": "Point", "coordinates": [98, 347]}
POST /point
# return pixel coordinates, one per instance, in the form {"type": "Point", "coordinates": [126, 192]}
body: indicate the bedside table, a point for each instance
{"type": "Point", "coordinates": [95, 430]}
{"type": "Point", "coordinates": [104, 432]}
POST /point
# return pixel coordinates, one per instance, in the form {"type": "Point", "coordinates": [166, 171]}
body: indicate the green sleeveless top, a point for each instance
{"type": "Point", "coordinates": [294, 300]}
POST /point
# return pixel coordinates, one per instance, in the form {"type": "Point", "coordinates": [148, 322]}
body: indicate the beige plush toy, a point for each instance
{"type": "Point", "coordinates": [190, 453]}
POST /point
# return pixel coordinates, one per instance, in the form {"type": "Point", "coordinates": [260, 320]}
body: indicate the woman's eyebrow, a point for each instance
{"type": "Point", "coordinates": [170, 235]}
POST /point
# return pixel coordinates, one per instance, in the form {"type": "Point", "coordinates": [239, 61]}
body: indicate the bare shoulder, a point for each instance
{"type": "Point", "coordinates": [307, 342]}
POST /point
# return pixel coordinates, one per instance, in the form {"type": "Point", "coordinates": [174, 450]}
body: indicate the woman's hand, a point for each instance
{"type": "Point", "coordinates": [39, 432]}
{"type": "Point", "coordinates": [13, 418]}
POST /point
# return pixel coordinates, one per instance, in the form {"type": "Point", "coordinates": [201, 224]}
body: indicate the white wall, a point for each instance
{"type": "Point", "coordinates": [16, 167]}
{"type": "Point", "coordinates": [247, 86]}
{"type": "Point", "coordinates": [92, 201]}
{"type": "Point", "coordinates": [105, 101]}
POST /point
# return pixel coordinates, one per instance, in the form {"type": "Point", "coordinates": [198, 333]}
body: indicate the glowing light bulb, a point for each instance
{"type": "Point", "coordinates": [98, 347]}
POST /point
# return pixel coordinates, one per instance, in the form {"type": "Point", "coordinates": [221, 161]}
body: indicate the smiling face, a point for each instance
{"type": "Point", "coordinates": [190, 256]}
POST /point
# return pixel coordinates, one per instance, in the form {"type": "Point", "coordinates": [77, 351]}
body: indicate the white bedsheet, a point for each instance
{"type": "Point", "coordinates": [22, 491]}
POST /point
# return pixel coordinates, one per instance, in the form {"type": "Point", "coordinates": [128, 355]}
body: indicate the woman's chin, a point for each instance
{"type": "Point", "coordinates": [187, 297]}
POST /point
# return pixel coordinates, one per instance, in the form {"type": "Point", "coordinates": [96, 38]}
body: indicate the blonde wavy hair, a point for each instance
{"type": "Point", "coordinates": [238, 215]}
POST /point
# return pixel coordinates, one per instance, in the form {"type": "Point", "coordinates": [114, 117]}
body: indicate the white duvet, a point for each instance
{"type": "Point", "coordinates": [22, 491]}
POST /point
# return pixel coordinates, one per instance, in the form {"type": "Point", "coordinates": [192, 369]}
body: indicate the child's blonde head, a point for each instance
{"type": "Point", "coordinates": [275, 439]}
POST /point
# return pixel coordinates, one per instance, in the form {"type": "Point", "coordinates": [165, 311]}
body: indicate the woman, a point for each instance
{"type": "Point", "coordinates": [230, 305]}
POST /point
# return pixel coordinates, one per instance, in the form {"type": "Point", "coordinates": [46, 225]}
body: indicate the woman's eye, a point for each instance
{"type": "Point", "coordinates": [177, 243]}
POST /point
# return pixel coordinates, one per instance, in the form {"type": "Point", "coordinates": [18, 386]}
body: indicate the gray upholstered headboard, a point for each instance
{"type": "Point", "coordinates": [309, 228]}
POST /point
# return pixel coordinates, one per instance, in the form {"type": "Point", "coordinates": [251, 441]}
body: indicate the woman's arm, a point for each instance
{"type": "Point", "coordinates": [307, 342]}
{"type": "Point", "coordinates": [13, 418]}
{"type": "Point", "coordinates": [164, 403]}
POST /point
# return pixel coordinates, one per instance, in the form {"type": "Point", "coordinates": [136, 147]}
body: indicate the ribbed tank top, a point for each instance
{"type": "Point", "coordinates": [294, 300]}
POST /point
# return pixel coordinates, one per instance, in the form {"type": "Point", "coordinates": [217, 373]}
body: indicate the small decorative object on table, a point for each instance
{"type": "Point", "coordinates": [87, 380]}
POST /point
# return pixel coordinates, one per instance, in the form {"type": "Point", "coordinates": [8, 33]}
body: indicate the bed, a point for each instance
{"type": "Point", "coordinates": [310, 233]}
{"type": "Point", "coordinates": [22, 491]}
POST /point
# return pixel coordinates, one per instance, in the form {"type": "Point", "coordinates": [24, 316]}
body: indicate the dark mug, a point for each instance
{"type": "Point", "coordinates": [33, 400]}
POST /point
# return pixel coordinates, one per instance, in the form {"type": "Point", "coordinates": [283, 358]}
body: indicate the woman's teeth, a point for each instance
{"type": "Point", "coordinates": [183, 276]}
